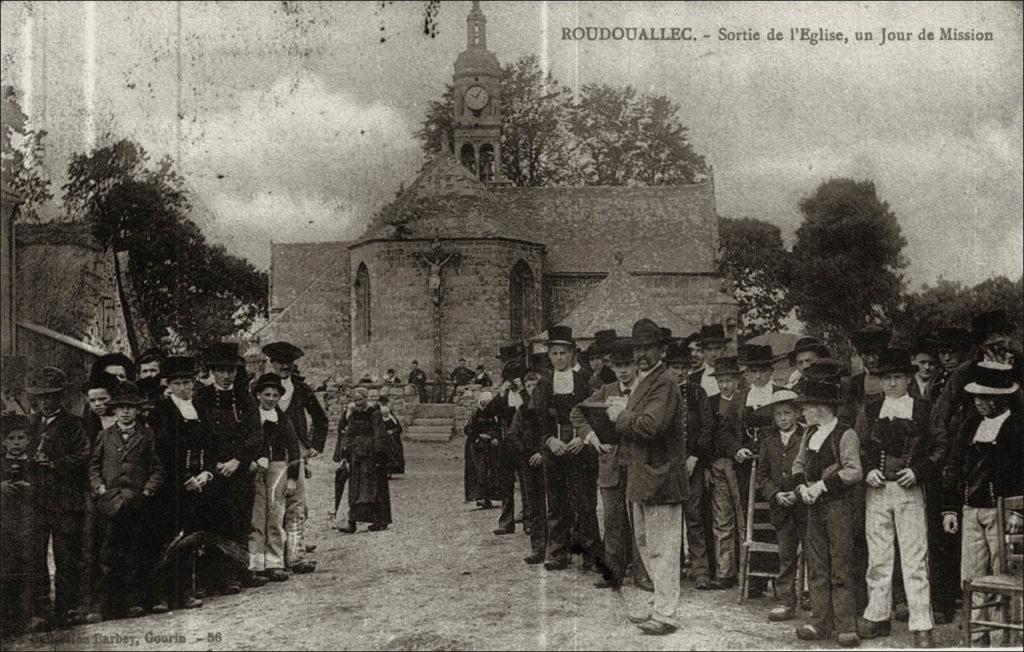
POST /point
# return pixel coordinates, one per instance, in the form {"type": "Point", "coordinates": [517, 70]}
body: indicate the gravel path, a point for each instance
{"type": "Point", "coordinates": [436, 580]}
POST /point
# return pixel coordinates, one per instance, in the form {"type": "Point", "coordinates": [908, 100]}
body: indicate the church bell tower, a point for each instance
{"type": "Point", "coordinates": [477, 87]}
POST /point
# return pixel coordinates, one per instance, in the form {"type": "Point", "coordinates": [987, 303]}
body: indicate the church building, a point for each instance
{"type": "Point", "coordinates": [462, 262]}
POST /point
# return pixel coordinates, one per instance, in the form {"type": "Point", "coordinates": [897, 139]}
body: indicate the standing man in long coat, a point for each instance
{"type": "Point", "coordinates": [362, 447]}
{"type": "Point", "coordinates": [297, 402]}
{"type": "Point", "coordinates": [653, 424]}
{"type": "Point", "coordinates": [235, 423]}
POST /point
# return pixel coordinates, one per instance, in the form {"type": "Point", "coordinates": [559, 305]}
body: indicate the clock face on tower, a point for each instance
{"type": "Point", "coordinates": [477, 97]}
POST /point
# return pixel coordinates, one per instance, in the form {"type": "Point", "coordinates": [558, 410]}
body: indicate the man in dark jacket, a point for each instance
{"type": "Point", "coordinates": [653, 423]}
{"type": "Point", "coordinates": [868, 342]}
{"type": "Point", "coordinates": [59, 451]}
{"type": "Point", "coordinates": [418, 378]}
{"type": "Point", "coordinates": [712, 345]}
{"type": "Point", "coordinates": [298, 401]}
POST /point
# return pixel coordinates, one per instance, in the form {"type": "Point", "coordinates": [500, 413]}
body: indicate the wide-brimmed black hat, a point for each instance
{"type": "Point", "coordinates": [127, 394]}
{"type": "Point", "coordinates": [713, 334]}
{"type": "Point", "coordinates": [268, 380]}
{"type": "Point", "coordinates": [48, 380]}
{"type": "Point", "coordinates": [152, 355]}
{"type": "Point", "coordinates": [560, 335]}
{"type": "Point", "coordinates": [949, 338]}
{"type": "Point", "coordinates": [992, 379]}
{"type": "Point", "coordinates": [870, 339]}
{"type": "Point", "coordinates": [223, 354]}
{"type": "Point", "coordinates": [622, 351]}
{"type": "Point", "coordinates": [282, 352]}
{"type": "Point", "coordinates": [647, 333]}
{"type": "Point", "coordinates": [178, 366]}
{"type": "Point", "coordinates": [11, 422]}
{"type": "Point", "coordinates": [727, 366]}
{"type": "Point", "coordinates": [805, 344]}
{"type": "Point", "coordinates": [115, 359]}
{"type": "Point", "coordinates": [825, 370]}
{"type": "Point", "coordinates": [510, 352]}
{"type": "Point", "coordinates": [678, 352]}
{"type": "Point", "coordinates": [101, 380]}
{"type": "Point", "coordinates": [987, 323]}
{"type": "Point", "coordinates": [894, 361]}
{"type": "Point", "coordinates": [512, 369]}
{"type": "Point", "coordinates": [922, 344]}
{"type": "Point", "coordinates": [603, 340]}
{"type": "Point", "coordinates": [666, 333]}
{"type": "Point", "coordinates": [816, 391]}
{"type": "Point", "coordinates": [755, 356]}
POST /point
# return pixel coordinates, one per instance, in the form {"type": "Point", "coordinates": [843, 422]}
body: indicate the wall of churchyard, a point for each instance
{"type": "Point", "coordinates": [475, 310]}
{"type": "Point", "coordinates": [318, 321]}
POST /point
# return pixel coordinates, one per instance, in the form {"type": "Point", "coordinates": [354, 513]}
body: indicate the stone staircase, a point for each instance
{"type": "Point", "coordinates": [433, 422]}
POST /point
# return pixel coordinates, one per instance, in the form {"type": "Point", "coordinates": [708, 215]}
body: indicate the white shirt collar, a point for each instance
{"type": "Point", "coordinates": [268, 415]}
{"type": "Point", "coordinates": [185, 408]}
{"type": "Point", "coordinates": [289, 392]}
{"type": "Point", "coordinates": [897, 408]}
{"type": "Point", "coordinates": [758, 396]}
{"type": "Point", "coordinates": [630, 387]}
{"type": "Point", "coordinates": [989, 428]}
{"type": "Point", "coordinates": [562, 382]}
{"type": "Point", "coordinates": [709, 383]}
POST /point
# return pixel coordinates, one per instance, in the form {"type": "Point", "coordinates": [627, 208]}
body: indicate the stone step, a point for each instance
{"type": "Point", "coordinates": [435, 410]}
{"type": "Point", "coordinates": [433, 421]}
{"type": "Point", "coordinates": [428, 429]}
{"type": "Point", "coordinates": [435, 437]}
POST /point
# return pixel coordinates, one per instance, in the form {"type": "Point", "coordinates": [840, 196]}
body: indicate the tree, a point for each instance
{"type": "Point", "coordinates": [950, 303]}
{"type": "Point", "coordinates": [21, 159]}
{"type": "Point", "coordinates": [846, 260]}
{"type": "Point", "coordinates": [197, 289]}
{"type": "Point", "coordinates": [752, 257]}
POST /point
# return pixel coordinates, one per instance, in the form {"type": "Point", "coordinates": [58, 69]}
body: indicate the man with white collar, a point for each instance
{"type": "Point", "coordinates": [297, 402]}
{"type": "Point", "coordinates": [926, 372]}
{"type": "Point", "coordinates": [712, 346]}
{"type": "Point", "coordinates": [653, 425]}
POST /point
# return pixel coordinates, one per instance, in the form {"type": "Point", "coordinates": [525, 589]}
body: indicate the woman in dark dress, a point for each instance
{"type": "Point", "coordinates": [362, 446]}
{"type": "Point", "coordinates": [393, 431]}
{"type": "Point", "coordinates": [482, 481]}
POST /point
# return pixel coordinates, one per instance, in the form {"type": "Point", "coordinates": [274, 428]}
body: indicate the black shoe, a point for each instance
{"type": "Point", "coordinates": [303, 567]}
{"type": "Point", "coordinates": [556, 564]}
{"type": "Point", "coordinates": [503, 531]}
{"type": "Point", "coordinates": [644, 584]}
{"type": "Point", "coordinates": [810, 632]}
{"type": "Point", "coordinates": [606, 584]}
{"type": "Point", "coordinates": [348, 529]}
{"type": "Point", "coordinates": [254, 580]}
{"type": "Point", "coordinates": [655, 628]}
{"type": "Point", "coordinates": [277, 575]}
{"type": "Point", "coordinates": [535, 558]}
{"type": "Point", "coordinates": [872, 629]}
{"type": "Point", "coordinates": [231, 588]}
{"type": "Point", "coordinates": [378, 527]}
{"type": "Point", "coordinates": [944, 617]}
{"type": "Point", "coordinates": [310, 547]}
{"type": "Point", "coordinates": [721, 584]}
{"type": "Point", "coordinates": [136, 612]}
{"type": "Point", "coordinates": [160, 608]}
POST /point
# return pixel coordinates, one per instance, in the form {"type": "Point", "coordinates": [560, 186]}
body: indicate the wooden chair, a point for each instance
{"type": "Point", "coordinates": [750, 546]}
{"type": "Point", "coordinates": [1005, 584]}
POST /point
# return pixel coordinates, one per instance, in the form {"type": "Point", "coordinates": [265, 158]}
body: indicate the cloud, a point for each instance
{"type": "Point", "coordinates": [297, 162]}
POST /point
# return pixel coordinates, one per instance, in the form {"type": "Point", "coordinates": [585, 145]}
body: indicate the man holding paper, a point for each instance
{"type": "Point", "coordinates": [653, 427]}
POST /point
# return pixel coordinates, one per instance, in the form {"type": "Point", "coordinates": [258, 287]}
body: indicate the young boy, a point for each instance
{"type": "Point", "coordinates": [826, 472]}
{"type": "Point", "coordinates": [900, 453]}
{"type": "Point", "coordinates": [728, 523]}
{"type": "Point", "coordinates": [985, 463]}
{"type": "Point", "coordinates": [277, 472]}
{"type": "Point", "coordinates": [15, 527]}
{"type": "Point", "coordinates": [125, 472]}
{"type": "Point", "coordinates": [775, 482]}
{"type": "Point", "coordinates": [185, 447]}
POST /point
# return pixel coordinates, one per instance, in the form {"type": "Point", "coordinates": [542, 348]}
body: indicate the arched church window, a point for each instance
{"type": "Point", "coordinates": [486, 162]}
{"type": "Point", "coordinates": [362, 320]}
{"type": "Point", "coordinates": [521, 286]}
{"type": "Point", "coordinates": [467, 156]}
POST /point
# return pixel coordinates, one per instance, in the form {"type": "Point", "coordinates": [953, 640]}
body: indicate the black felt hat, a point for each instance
{"type": "Point", "coordinates": [115, 359]}
{"type": "Point", "coordinates": [756, 356]}
{"type": "Point", "coordinates": [713, 334]}
{"type": "Point", "coordinates": [922, 344]}
{"type": "Point", "coordinates": [622, 351]}
{"type": "Point", "coordinates": [678, 351]}
{"type": "Point", "coordinates": [647, 333]}
{"type": "Point", "coordinates": [992, 379]}
{"type": "Point", "coordinates": [894, 361]}
{"type": "Point", "coordinates": [870, 339]}
{"type": "Point", "coordinates": [127, 394]}
{"type": "Point", "coordinates": [11, 422]}
{"type": "Point", "coordinates": [268, 380]}
{"type": "Point", "coordinates": [987, 323]}
{"type": "Point", "coordinates": [602, 343]}
{"type": "Point", "coordinates": [805, 344]}
{"type": "Point", "coordinates": [727, 366]}
{"type": "Point", "coordinates": [101, 380]}
{"type": "Point", "coordinates": [949, 338]}
{"type": "Point", "coordinates": [48, 380]}
{"type": "Point", "coordinates": [560, 335]}
{"type": "Point", "coordinates": [223, 354]}
{"type": "Point", "coordinates": [816, 391]}
{"type": "Point", "coordinates": [826, 370]}
{"type": "Point", "coordinates": [282, 352]}
{"type": "Point", "coordinates": [178, 366]}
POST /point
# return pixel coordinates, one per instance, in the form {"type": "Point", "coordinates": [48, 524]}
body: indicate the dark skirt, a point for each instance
{"type": "Point", "coordinates": [482, 471]}
{"type": "Point", "coordinates": [378, 510]}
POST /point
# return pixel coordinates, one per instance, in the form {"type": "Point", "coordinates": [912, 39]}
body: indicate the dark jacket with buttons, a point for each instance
{"type": "Point", "coordinates": [985, 471]}
{"type": "Point", "coordinates": [775, 463]}
{"type": "Point", "coordinates": [131, 466]}
{"type": "Point", "coordinates": [312, 433]}
{"type": "Point", "coordinates": [887, 442]}
{"type": "Point", "coordinates": [62, 486]}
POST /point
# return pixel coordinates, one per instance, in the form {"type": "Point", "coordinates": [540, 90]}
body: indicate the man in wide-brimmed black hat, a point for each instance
{"type": "Point", "coordinates": [300, 404]}
{"type": "Point", "coordinates": [570, 466]}
{"type": "Point", "coordinates": [952, 345]}
{"type": "Point", "coordinates": [901, 454]}
{"type": "Point", "coordinates": [59, 451]}
{"type": "Point", "coordinates": [234, 421]}
{"type": "Point", "coordinates": [118, 365]}
{"type": "Point", "coordinates": [652, 424]}
{"type": "Point", "coordinates": [868, 342]}
{"type": "Point", "coordinates": [712, 346]}
{"type": "Point", "coordinates": [806, 352]}
{"type": "Point", "coordinates": [599, 358]}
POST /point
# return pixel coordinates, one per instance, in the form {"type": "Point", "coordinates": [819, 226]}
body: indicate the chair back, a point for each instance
{"type": "Point", "coordinates": [1011, 559]}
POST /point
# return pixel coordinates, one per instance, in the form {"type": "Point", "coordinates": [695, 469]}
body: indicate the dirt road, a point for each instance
{"type": "Point", "coordinates": [436, 580]}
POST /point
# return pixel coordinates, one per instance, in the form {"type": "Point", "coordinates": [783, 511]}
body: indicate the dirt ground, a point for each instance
{"type": "Point", "coordinates": [438, 579]}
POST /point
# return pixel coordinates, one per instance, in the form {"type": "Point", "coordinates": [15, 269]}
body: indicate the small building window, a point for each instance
{"type": "Point", "coordinates": [362, 320]}
{"type": "Point", "coordinates": [521, 285]}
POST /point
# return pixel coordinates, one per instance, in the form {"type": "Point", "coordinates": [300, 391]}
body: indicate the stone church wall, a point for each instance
{"type": "Point", "coordinates": [475, 310]}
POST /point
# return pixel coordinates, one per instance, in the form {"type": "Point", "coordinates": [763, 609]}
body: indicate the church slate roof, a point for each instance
{"type": "Point", "coordinates": [616, 303]}
{"type": "Point", "coordinates": [659, 229]}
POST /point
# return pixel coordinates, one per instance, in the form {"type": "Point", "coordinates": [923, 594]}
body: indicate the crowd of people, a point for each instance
{"type": "Point", "coordinates": [885, 480]}
{"type": "Point", "coordinates": [182, 479]}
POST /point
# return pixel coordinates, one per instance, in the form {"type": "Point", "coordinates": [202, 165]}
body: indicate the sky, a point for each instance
{"type": "Point", "coordinates": [297, 122]}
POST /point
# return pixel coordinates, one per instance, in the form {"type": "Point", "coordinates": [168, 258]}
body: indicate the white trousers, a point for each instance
{"type": "Point", "coordinates": [267, 537]}
{"type": "Point", "coordinates": [659, 533]}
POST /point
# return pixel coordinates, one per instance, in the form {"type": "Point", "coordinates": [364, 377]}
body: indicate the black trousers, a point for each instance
{"type": "Point", "coordinates": [534, 487]}
{"type": "Point", "coordinates": [943, 554]}
{"type": "Point", "coordinates": [695, 512]}
{"type": "Point", "coordinates": [65, 528]}
{"type": "Point", "coordinates": [508, 463]}
{"type": "Point", "coordinates": [126, 562]}
{"type": "Point", "coordinates": [15, 579]}
{"type": "Point", "coordinates": [619, 543]}
{"type": "Point", "coordinates": [790, 525]}
{"type": "Point", "coordinates": [831, 551]}
{"type": "Point", "coordinates": [571, 487]}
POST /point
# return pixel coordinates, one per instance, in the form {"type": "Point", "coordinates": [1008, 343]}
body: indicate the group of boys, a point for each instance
{"type": "Point", "coordinates": [861, 472]}
{"type": "Point", "coordinates": [181, 479]}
